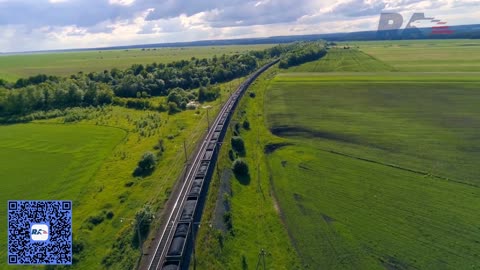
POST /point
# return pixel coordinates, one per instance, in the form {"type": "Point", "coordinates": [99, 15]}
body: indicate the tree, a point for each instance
{"type": "Point", "coordinates": [208, 93]}
{"type": "Point", "coordinates": [240, 167]}
{"type": "Point", "coordinates": [104, 95]}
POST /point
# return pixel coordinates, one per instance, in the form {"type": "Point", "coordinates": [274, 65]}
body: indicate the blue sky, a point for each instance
{"type": "Point", "coordinates": [61, 24]}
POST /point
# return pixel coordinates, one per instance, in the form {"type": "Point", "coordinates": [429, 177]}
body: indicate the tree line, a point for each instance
{"type": "Point", "coordinates": [176, 80]}
{"type": "Point", "coordinates": [303, 52]}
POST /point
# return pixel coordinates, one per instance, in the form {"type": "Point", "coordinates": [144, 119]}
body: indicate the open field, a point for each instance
{"type": "Point", "coordinates": [426, 55]}
{"type": "Point", "coordinates": [426, 125]}
{"type": "Point", "coordinates": [50, 162]}
{"type": "Point", "coordinates": [339, 59]}
{"type": "Point", "coordinates": [361, 177]}
{"type": "Point", "coordinates": [13, 67]}
{"type": "Point", "coordinates": [345, 213]}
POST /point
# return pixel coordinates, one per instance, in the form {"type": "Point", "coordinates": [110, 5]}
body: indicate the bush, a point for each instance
{"type": "Point", "coordinates": [109, 215]}
{"type": "Point", "coordinates": [240, 167]}
{"type": "Point", "coordinates": [236, 128]}
{"type": "Point", "coordinates": [246, 125]}
{"type": "Point", "coordinates": [173, 108]}
{"type": "Point", "coordinates": [146, 165]}
{"type": "Point", "coordinates": [97, 219]}
{"type": "Point", "coordinates": [238, 144]}
{"type": "Point", "coordinates": [231, 155]}
{"type": "Point", "coordinates": [160, 146]}
{"type": "Point", "coordinates": [227, 219]}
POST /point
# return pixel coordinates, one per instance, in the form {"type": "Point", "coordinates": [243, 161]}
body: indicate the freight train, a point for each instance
{"type": "Point", "coordinates": [192, 205]}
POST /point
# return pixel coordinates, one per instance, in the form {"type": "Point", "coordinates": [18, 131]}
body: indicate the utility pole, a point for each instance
{"type": "Point", "coordinates": [261, 257]}
{"type": "Point", "coordinates": [137, 227]}
{"type": "Point", "coordinates": [208, 120]}
{"type": "Point", "coordinates": [185, 151]}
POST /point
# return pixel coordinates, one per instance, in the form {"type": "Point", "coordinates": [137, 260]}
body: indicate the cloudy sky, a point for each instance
{"type": "Point", "coordinates": [60, 24]}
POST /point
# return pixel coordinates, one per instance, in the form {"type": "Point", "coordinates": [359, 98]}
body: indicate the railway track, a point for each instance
{"type": "Point", "coordinates": [173, 249]}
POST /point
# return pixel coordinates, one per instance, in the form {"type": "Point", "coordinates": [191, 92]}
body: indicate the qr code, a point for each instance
{"type": "Point", "coordinates": [40, 232]}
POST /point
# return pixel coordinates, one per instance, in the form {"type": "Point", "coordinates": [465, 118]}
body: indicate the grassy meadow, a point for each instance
{"type": "Point", "coordinates": [16, 66]}
{"type": "Point", "coordinates": [367, 165]}
{"type": "Point", "coordinates": [383, 168]}
{"type": "Point", "coordinates": [51, 162]}
{"type": "Point", "coordinates": [422, 124]}
{"type": "Point", "coordinates": [343, 60]}
{"type": "Point", "coordinates": [426, 55]}
{"type": "Point", "coordinates": [382, 174]}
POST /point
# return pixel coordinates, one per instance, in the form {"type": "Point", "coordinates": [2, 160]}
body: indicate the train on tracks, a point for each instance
{"type": "Point", "coordinates": [177, 239]}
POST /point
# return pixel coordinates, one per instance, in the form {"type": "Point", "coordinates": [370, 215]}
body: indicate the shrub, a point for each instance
{"type": "Point", "coordinates": [173, 108]}
{"type": "Point", "coordinates": [109, 215]}
{"type": "Point", "coordinates": [246, 125]}
{"type": "Point", "coordinates": [231, 155]}
{"type": "Point", "coordinates": [160, 146]}
{"type": "Point", "coordinates": [146, 165]}
{"type": "Point", "coordinates": [227, 219]}
{"type": "Point", "coordinates": [238, 144]}
{"type": "Point", "coordinates": [97, 219]}
{"type": "Point", "coordinates": [236, 128]}
{"type": "Point", "coordinates": [240, 167]}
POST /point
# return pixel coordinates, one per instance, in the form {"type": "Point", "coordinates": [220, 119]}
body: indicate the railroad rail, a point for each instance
{"type": "Point", "coordinates": [173, 249]}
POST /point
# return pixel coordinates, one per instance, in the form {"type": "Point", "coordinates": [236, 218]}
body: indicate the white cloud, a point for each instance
{"type": "Point", "coordinates": [59, 24]}
{"type": "Point", "coordinates": [120, 2]}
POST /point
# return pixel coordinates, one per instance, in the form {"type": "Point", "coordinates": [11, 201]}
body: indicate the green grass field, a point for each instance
{"type": "Point", "coordinates": [13, 67]}
{"type": "Point", "coordinates": [51, 162]}
{"type": "Point", "coordinates": [383, 168]}
{"type": "Point", "coordinates": [336, 184]}
{"type": "Point", "coordinates": [422, 124]}
{"type": "Point", "coordinates": [426, 55]}
{"type": "Point", "coordinates": [343, 60]}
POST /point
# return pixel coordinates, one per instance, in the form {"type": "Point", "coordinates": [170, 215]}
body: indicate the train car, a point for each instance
{"type": "Point", "coordinates": [222, 121]}
{"type": "Point", "coordinates": [188, 210]}
{"type": "Point", "coordinates": [196, 188]}
{"type": "Point", "coordinates": [202, 169]}
{"type": "Point", "coordinates": [219, 128]}
{"type": "Point", "coordinates": [179, 241]}
{"type": "Point", "coordinates": [215, 136]}
{"type": "Point", "coordinates": [211, 146]}
{"type": "Point", "coordinates": [208, 155]}
{"type": "Point", "coordinates": [171, 265]}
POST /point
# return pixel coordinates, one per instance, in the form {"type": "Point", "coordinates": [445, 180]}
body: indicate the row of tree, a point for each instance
{"type": "Point", "coordinates": [175, 80]}
{"type": "Point", "coordinates": [304, 52]}
{"type": "Point", "coordinates": [48, 95]}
